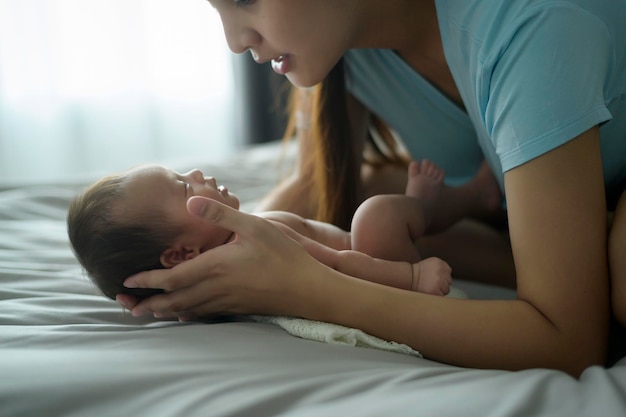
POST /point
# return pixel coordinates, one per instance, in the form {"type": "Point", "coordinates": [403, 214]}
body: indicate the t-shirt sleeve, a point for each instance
{"type": "Point", "coordinates": [547, 83]}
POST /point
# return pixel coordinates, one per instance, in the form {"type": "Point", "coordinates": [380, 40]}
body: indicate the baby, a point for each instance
{"type": "Point", "coordinates": [138, 221]}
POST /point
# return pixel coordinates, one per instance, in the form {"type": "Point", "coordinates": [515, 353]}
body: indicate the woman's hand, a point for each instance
{"type": "Point", "coordinates": [253, 274]}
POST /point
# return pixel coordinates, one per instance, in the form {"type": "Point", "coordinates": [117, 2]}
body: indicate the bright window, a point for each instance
{"type": "Point", "coordinates": [93, 86]}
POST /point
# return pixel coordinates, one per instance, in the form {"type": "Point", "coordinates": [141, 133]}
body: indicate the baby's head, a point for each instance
{"type": "Point", "coordinates": [137, 221]}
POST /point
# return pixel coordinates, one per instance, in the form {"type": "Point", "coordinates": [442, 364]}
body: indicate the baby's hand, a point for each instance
{"type": "Point", "coordinates": [432, 276]}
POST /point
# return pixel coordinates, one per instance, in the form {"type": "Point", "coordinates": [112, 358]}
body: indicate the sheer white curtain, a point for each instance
{"type": "Point", "coordinates": [95, 86]}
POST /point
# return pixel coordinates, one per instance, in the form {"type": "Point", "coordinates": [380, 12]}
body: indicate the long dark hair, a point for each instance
{"type": "Point", "coordinates": [336, 162]}
{"type": "Point", "coordinates": [109, 249]}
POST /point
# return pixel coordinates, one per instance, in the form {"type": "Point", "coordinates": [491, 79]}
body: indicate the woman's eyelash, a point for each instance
{"type": "Point", "coordinates": [241, 3]}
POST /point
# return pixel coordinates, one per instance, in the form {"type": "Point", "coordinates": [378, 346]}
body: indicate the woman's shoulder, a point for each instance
{"type": "Point", "coordinates": [482, 20]}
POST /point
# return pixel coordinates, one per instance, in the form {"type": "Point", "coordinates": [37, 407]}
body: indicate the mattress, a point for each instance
{"type": "Point", "coordinates": [68, 351]}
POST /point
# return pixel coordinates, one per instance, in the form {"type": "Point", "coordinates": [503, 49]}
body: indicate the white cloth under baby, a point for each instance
{"type": "Point", "coordinates": [334, 334]}
{"type": "Point", "coordinates": [341, 335]}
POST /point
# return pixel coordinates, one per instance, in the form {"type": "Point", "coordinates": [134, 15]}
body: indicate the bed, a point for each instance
{"type": "Point", "coordinates": [68, 351]}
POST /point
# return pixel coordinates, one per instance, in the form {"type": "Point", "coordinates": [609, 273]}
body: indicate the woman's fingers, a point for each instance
{"type": "Point", "coordinates": [226, 279]}
{"type": "Point", "coordinates": [187, 303]}
{"type": "Point", "coordinates": [186, 273]}
{"type": "Point", "coordinates": [127, 301]}
{"type": "Point", "coordinates": [219, 214]}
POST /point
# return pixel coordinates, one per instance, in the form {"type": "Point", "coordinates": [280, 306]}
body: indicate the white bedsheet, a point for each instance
{"type": "Point", "coordinates": [67, 351]}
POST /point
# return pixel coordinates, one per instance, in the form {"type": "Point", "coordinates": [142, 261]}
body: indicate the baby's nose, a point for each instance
{"type": "Point", "coordinates": [197, 175]}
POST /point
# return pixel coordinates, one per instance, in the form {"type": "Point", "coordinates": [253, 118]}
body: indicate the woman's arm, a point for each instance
{"type": "Point", "coordinates": [557, 219]}
{"type": "Point", "coordinates": [558, 228]}
{"type": "Point", "coordinates": [560, 318]}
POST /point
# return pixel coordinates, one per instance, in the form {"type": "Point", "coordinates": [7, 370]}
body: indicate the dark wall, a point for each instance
{"type": "Point", "coordinates": [260, 101]}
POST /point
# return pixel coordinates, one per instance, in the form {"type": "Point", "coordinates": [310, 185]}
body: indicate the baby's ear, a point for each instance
{"type": "Point", "coordinates": [175, 255]}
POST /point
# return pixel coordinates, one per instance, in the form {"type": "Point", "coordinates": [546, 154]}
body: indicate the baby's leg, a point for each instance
{"type": "Point", "coordinates": [387, 226]}
{"type": "Point", "coordinates": [425, 182]}
{"type": "Point", "coordinates": [479, 198]}
{"type": "Point", "coordinates": [617, 261]}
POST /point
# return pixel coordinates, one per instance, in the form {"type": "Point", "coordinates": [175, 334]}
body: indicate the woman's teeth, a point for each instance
{"type": "Point", "coordinates": [280, 64]}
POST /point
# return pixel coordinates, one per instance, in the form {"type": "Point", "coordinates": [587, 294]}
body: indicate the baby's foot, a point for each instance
{"type": "Point", "coordinates": [489, 196]}
{"type": "Point", "coordinates": [425, 182]}
{"type": "Point", "coordinates": [432, 276]}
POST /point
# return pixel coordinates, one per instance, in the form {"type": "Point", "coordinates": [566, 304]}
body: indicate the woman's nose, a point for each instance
{"type": "Point", "coordinates": [246, 40]}
{"type": "Point", "coordinates": [239, 37]}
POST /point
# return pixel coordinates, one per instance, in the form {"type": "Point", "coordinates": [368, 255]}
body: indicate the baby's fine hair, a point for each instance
{"type": "Point", "coordinates": [111, 249]}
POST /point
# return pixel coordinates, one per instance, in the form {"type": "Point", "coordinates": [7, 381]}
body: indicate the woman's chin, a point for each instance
{"type": "Point", "coordinates": [302, 81]}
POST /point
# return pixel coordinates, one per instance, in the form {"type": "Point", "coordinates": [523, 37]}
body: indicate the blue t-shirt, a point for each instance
{"type": "Point", "coordinates": [533, 74]}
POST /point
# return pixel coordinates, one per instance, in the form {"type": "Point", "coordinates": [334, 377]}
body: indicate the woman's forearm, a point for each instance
{"type": "Point", "coordinates": [509, 334]}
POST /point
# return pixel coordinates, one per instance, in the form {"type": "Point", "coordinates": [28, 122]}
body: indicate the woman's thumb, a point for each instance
{"type": "Point", "coordinates": [210, 210]}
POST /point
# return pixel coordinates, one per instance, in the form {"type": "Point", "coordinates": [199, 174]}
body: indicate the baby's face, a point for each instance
{"type": "Point", "coordinates": [153, 186]}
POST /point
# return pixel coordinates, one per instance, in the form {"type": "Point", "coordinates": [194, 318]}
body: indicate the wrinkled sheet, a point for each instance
{"type": "Point", "coordinates": [68, 351]}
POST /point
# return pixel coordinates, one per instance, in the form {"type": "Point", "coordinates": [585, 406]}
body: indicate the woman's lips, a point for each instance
{"type": "Point", "coordinates": [280, 65]}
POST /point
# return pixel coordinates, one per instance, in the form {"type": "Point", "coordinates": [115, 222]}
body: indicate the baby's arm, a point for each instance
{"type": "Point", "coordinates": [431, 275]}
{"type": "Point", "coordinates": [324, 233]}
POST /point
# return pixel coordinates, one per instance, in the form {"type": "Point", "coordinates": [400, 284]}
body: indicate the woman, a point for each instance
{"type": "Point", "coordinates": [543, 86]}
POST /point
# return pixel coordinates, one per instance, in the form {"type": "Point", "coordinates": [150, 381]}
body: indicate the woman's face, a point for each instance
{"type": "Point", "coordinates": [304, 39]}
